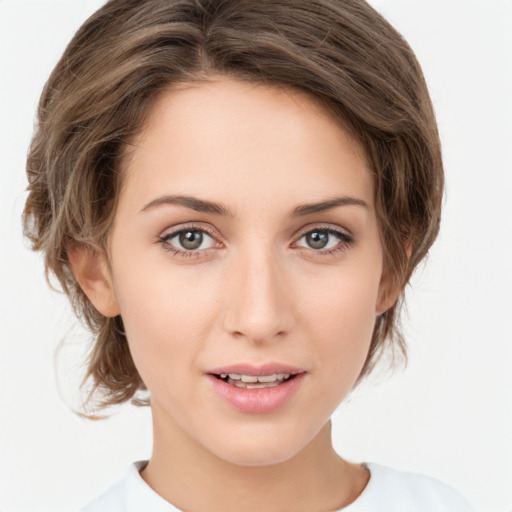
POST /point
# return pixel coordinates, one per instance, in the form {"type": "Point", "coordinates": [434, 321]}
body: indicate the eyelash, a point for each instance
{"type": "Point", "coordinates": [345, 240]}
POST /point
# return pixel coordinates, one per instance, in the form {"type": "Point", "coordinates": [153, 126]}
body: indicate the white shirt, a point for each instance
{"type": "Point", "coordinates": [388, 490]}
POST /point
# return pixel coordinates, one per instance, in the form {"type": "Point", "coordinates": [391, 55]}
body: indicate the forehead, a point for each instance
{"type": "Point", "coordinates": [245, 141]}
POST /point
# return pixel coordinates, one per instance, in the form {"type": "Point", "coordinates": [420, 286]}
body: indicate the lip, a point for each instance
{"type": "Point", "coordinates": [257, 401]}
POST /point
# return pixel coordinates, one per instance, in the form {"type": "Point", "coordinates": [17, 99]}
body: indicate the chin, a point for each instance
{"type": "Point", "coordinates": [259, 448]}
{"type": "Point", "coordinates": [255, 456]}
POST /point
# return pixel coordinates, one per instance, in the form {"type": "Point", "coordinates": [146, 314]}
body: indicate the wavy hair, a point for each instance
{"type": "Point", "coordinates": [341, 52]}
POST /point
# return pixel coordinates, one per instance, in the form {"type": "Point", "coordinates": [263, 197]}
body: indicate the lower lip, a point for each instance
{"type": "Point", "coordinates": [257, 401]}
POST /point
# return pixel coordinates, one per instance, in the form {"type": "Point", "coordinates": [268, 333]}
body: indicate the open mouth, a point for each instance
{"type": "Point", "coordinates": [253, 381]}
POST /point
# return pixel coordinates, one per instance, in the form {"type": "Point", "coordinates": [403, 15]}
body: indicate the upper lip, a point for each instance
{"type": "Point", "coordinates": [249, 369]}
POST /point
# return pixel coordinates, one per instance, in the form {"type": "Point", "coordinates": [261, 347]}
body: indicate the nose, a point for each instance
{"type": "Point", "coordinates": [259, 299]}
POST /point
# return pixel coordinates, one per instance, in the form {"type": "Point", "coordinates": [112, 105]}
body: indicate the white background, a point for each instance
{"type": "Point", "coordinates": [449, 414]}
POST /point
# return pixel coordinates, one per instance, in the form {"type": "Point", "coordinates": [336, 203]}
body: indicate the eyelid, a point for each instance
{"type": "Point", "coordinates": [174, 230]}
{"type": "Point", "coordinates": [323, 227]}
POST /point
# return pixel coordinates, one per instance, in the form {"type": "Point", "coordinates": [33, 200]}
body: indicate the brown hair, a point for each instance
{"type": "Point", "coordinates": [341, 52]}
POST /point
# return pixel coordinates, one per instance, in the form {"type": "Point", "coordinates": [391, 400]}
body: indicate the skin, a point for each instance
{"type": "Point", "coordinates": [255, 291]}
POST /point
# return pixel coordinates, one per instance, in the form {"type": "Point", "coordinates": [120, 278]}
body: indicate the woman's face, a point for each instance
{"type": "Point", "coordinates": [246, 243]}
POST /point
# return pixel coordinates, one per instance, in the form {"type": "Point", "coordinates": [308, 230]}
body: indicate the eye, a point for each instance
{"type": "Point", "coordinates": [188, 240]}
{"type": "Point", "coordinates": [325, 239]}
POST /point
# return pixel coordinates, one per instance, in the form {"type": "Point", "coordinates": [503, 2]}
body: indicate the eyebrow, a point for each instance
{"type": "Point", "coordinates": [323, 206]}
{"type": "Point", "coordinates": [201, 205]}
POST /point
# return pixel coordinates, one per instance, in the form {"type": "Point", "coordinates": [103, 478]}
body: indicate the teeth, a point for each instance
{"type": "Point", "coordinates": [248, 378]}
{"type": "Point", "coordinates": [254, 378]}
{"type": "Point", "coordinates": [254, 385]}
{"type": "Point", "coordinates": [254, 381]}
{"type": "Point", "coordinates": [267, 378]}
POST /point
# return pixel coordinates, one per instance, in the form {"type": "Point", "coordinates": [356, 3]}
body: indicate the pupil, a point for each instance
{"type": "Point", "coordinates": [317, 239]}
{"type": "Point", "coordinates": [191, 239]}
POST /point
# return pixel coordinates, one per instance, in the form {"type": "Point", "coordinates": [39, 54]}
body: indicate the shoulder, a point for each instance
{"type": "Point", "coordinates": [130, 494]}
{"type": "Point", "coordinates": [112, 499]}
{"type": "Point", "coordinates": [390, 490]}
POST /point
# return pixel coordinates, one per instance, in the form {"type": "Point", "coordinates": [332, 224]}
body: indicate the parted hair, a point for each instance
{"type": "Point", "coordinates": [340, 52]}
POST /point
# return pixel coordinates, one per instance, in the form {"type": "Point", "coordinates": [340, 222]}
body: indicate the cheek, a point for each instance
{"type": "Point", "coordinates": [355, 311]}
{"type": "Point", "coordinates": [341, 318]}
{"type": "Point", "coordinates": [167, 317]}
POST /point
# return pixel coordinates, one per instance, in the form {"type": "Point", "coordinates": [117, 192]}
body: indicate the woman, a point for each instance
{"type": "Point", "coordinates": [234, 195]}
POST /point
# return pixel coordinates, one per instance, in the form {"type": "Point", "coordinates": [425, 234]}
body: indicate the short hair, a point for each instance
{"type": "Point", "coordinates": [341, 52]}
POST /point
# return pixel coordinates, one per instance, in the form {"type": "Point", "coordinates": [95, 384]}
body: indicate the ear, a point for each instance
{"type": "Point", "coordinates": [90, 269]}
{"type": "Point", "coordinates": [390, 288]}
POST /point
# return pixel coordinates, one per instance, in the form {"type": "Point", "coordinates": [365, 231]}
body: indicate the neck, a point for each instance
{"type": "Point", "coordinates": [192, 478]}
